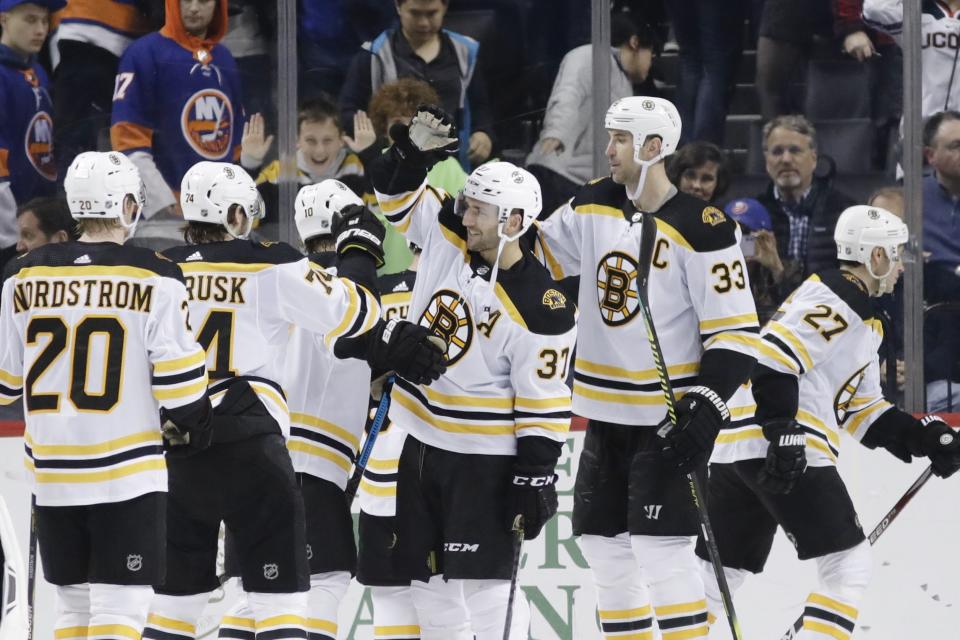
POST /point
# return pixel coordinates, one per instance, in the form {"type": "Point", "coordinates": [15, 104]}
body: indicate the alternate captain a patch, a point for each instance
{"type": "Point", "coordinates": [713, 216]}
{"type": "Point", "coordinates": [448, 317]}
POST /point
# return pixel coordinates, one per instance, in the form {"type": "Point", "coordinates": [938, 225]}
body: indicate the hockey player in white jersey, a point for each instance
{"type": "Point", "coordinates": [818, 373]}
{"type": "Point", "coordinates": [244, 297]}
{"type": "Point", "coordinates": [632, 506]}
{"type": "Point", "coordinates": [94, 335]}
{"type": "Point", "coordinates": [483, 440]}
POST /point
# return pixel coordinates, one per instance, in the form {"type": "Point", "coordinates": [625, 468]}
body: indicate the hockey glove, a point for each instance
{"type": "Point", "coordinates": [430, 137]}
{"type": "Point", "coordinates": [181, 440]}
{"type": "Point", "coordinates": [355, 227]}
{"type": "Point", "coordinates": [700, 415]}
{"type": "Point", "coordinates": [533, 496]}
{"type": "Point", "coordinates": [937, 441]}
{"type": "Point", "coordinates": [409, 349]}
{"type": "Point", "coordinates": [786, 456]}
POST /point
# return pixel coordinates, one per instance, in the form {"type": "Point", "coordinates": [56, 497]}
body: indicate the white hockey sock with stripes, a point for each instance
{"type": "Point", "coordinates": [326, 592]}
{"type": "Point", "coordinates": [623, 601]}
{"type": "Point", "coordinates": [394, 616]}
{"type": "Point", "coordinates": [118, 612]}
{"type": "Point", "coordinates": [676, 587]}
{"type": "Point", "coordinates": [73, 612]}
{"type": "Point", "coordinates": [174, 617]}
{"type": "Point", "coordinates": [279, 616]}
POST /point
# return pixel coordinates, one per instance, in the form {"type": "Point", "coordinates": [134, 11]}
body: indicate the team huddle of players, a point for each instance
{"type": "Point", "coordinates": [260, 360]}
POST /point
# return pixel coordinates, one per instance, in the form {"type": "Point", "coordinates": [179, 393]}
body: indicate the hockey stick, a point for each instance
{"type": "Point", "coordinates": [31, 565]}
{"type": "Point", "coordinates": [876, 533]}
{"type": "Point", "coordinates": [514, 572]}
{"type": "Point", "coordinates": [647, 237]}
{"type": "Point", "coordinates": [378, 418]}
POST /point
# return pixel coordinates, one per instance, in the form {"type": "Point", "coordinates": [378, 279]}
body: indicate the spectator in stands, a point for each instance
{"type": "Point", "coordinates": [787, 32]}
{"type": "Point", "coordinates": [803, 208]}
{"type": "Point", "coordinates": [91, 37]}
{"type": "Point", "coordinates": [27, 166]}
{"type": "Point", "coordinates": [421, 49]}
{"type": "Point", "coordinates": [941, 208]}
{"type": "Point", "coordinates": [562, 160]}
{"type": "Point", "coordinates": [710, 35]}
{"type": "Point", "coordinates": [44, 221]}
{"type": "Point", "coordinates": [323, 149]}
{"type": "Point", "coordinates": [760, 251]}
{"type": "Point", "coordinates": [251, 38]}
{"type": "Point", "coordinates": [177, 101]}
{"type": "Point", "coordinates": [700, 169]}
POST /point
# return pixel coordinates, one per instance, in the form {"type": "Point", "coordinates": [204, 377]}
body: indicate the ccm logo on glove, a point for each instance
{"type": "Point", "coordinates": [538, 481]}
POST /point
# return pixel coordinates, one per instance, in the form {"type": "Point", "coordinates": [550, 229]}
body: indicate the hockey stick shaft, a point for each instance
{"type": "Point", "coordinates": [648, 235]}
{"type": "Point", "coordinates": [31, 566]}
{"type": "Point", "coordinates": [878, 531]}
{"type": "Point", "coordinates": [514, 573]}
{"type": "Point", "coordinates": [378, 419]}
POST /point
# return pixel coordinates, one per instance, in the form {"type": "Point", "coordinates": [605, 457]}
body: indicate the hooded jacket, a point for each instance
{"type": "Point", "coordinates": [177, 101]}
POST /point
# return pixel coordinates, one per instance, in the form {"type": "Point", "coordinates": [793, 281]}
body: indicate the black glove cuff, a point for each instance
{"type": "Point", "coordinates": [772, 429]}
{"type": "Point", "coordinates": [538, 451]}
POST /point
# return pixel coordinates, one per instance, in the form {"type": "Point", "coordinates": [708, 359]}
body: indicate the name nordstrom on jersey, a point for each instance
{"type": "Point", "coordinates": [96, 293]}
{"type": "Point", "coordinates": [215, 287]}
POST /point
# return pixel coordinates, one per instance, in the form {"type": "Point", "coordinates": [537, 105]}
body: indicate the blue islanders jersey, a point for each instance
{"type": "Point", "coordinates": [26, 130]}
{"type": "Point", "coordinates": [180, 105]}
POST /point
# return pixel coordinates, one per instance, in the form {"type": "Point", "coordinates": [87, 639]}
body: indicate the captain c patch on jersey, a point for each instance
{"type": "Point", "coordinates": [448, 317]}
{"type": "Point", "coordinates": [616, 288]}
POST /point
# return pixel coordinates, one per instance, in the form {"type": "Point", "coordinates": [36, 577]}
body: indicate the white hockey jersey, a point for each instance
{"type": "Point", "coordinates": [698, 290]}
{"type": "Point", "coordinates": [377, 494]}
{"type": "Point", "coordinates": [327, 398]}
{"type": "Point", "coordinates": [826, 335]}
{"type": "Point", "coordinates": [245, 297]}
{"type": "Point", "coordinates": [940, 43]}
{"type": "Point", "coordinates": [94, 336]}
{"type": "Point", "coordinates": [507, 346]}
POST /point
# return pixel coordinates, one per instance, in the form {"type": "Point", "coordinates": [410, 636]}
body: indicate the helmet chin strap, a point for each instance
{"type": "Point", "coordinates": [644, 167]}
{"type": "Point", "coordinates": [130, 229]}
{"type": "Point", "coordinates": [881, 279]}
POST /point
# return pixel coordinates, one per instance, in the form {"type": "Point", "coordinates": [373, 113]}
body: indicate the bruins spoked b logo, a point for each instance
{"type": "Point", "coordinates": [616, 288]}
{"type": "Point", "coordinates": [448, 317]}
{"type": "Point", "coordinates": [844, 397]}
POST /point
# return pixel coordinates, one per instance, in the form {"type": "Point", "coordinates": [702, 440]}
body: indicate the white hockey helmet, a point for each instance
{"type": "Point", "coordinates": [97, 184]}
{"type": "Point", "coordinates": [861, 228]}
{"type": "Point", "coordinates": [316, 204]}
{"type": "Point", "coordinates": [507, 187]}
{"type": "Point", "coordinates": [209, 189]}
{"type": "Point", "coordinates": [643, 117]}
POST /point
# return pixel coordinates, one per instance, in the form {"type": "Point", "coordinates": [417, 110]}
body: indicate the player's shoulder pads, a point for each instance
{"type": "Point", "coordinates": [540, 303]}
{"type": "Point", "coordinates": [702, 225]}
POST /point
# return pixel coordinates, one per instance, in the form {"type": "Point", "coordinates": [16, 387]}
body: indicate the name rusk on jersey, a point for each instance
{"type": "Point", "coordinates": [218, 288]}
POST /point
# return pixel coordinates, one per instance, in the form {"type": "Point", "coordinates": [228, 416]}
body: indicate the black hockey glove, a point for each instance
{"type": "Point", "coordinates": [700, 415]}
{"type": "Point", "coordinates": [786, 456]}
{"type": "Point", "coordinates": [532, 495]}
{"type": "Point", "coordinates": [355, 227]}
{"type": "Point", "coordinates": [407, 348]}
{"type": "Point", "coordinates": [937, 441]}
{"type": "Point", "coordinates": [429, 138]}
{"type": "Point", "coordinates": [184, 436]}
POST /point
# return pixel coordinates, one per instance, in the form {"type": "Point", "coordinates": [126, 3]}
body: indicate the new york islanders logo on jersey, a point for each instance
{"type": "Point", "coordinates": [207, 123]}
{"type": "Point", "coordinates": [616, 288]}
{"type": "Point", "coordinates": [448, 317]}
{"type": "Point", "coordinates": [38, 145]}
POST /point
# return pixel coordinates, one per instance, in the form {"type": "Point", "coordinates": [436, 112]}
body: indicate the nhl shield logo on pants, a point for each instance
{"type": "Point", "coordinates": [271, 571]}
{"type": "Point", "coordinates": [134, 562]}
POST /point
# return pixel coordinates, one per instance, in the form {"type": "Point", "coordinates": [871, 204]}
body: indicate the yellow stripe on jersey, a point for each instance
{"type": "Point", "coordinates": [730, 321]}
{"type": "Point", "coordinates": [389, 204]}
{"type": "Point", "coordinates": [293, 444]}
{"type": "Point", "coordinates": [186, 362]}
{"type": "Point", "coordinates": [807, 418]}
{"type": "Point", "coordinates": [164, 393]}
{"type": "Point", "coordinates": [466, 401]}
{"type": "Point", "coordinates": [349, 317]}
{"type": "Point", "coordinates": [265, 390]}
{"type": "Point", "coordinates": [455, 240]}
{"type": "Point", "coordinates": [818, 444]}
{"type": "Point", "coordinates": [109, 446]}
{"type": "Point", "coordinates": [508, 305]}
{"type": "Point", "coordinates": [381, 492]}
{"type": "Point", "coordinates": [324, 425]}
{"type": "Point", "coordinates": [673, 234]}
{"type": "Point", "coordinates": [474, 428]}
{"type": "Point", "coordinates": [647, 398]}
{"type": "Point", "coordinates": [558, 426]}
{"type": "Point", "coordinates": [770, 351]}
{"type": "Point", "coordinates": [749, 433]}
{"type": "Point", "coordinates": [875, 325]}
{"type": "Point", "coordinates": [228, 267]}
{"type": "Point", "coordinates": [643, 375]}
{"type": "Point", "coordinates": [10, 379]}
{"type": "Point", "coordinates": [383, 465]}
{"type": "Point", "coordinates": [717, 340]}
{"type": "Point", "coordinates": [561, 402]}
{"type": "Point", "coordinates": [599, 210]}
{"type": "Point", "coordinates": [106, 475]}
{"type": "Point", "coordinates": [854, 423]}
{"type": "Point", "coordinates": [786, 334]}
{"type": "Point", "coordinates": [82, 271]}
{"type": "Point", "coordinates": [552, 263]}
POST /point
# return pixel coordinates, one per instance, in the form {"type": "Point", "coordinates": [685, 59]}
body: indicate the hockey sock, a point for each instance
{"type": "Point", "coordinates": [487, 604]}
{"type": "Point", "coordinates": [73, 612]}
{"type": "Point", "coordinates": [326, 591]}
{"type": "Point", "coordinates": [827, 618]}
{"type": "Point", "coordinates": [441, 609]}
{"type": "Point", "coordinates": [676, 588]}
{"type": "Point", "coordinates": [623, 602]}
{"type": "Point", "coordinates": [175, 617]}
{"type": "Point", "coordinates": [394, 616]}
{"type": "Point", "coordinates": [831, 612]}
{"type": "Point", "coordinates": [238, 622]}
{"type": "Point", "coordinates": [279, 615]}
{"type": "Point", "coordinates": [118, 610]}
{"type": "Point", "coordinates": [735, 579]}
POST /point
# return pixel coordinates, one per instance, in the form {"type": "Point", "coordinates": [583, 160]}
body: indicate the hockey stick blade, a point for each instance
{"type": "Point", "coordinates": [647, 237]}
{"type": "Point", "coordinates": [878, 531]}
{"type": "Point", "coordinates": [382, 409]}
{"type": "Point", "coordinates": [514, 573]}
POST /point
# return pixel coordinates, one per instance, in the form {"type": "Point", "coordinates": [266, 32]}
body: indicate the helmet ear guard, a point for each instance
{"type": "Point", "coordinates": [209, 191]}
